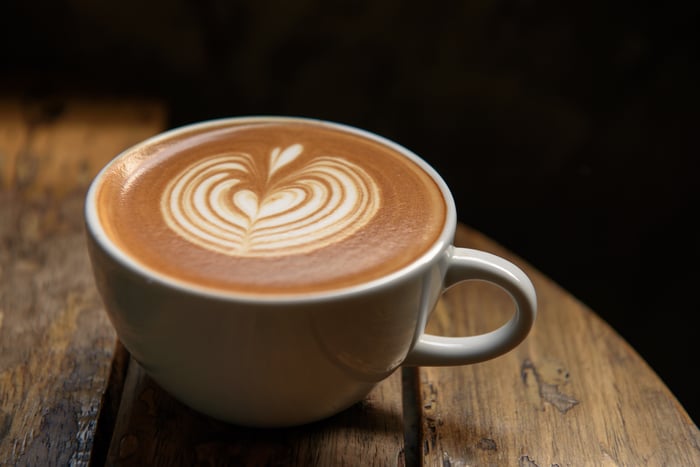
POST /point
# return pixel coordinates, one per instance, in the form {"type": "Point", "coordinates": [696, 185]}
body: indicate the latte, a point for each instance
{"type": "Point", "coordinates": [275, 206]}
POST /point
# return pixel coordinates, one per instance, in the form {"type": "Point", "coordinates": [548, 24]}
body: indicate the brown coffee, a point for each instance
{"type": "Point", "coordinates": [270, 207]}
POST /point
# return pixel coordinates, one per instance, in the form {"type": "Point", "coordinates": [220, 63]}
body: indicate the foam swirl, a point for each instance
{"type": "Point", "coordinates": [234, 204]}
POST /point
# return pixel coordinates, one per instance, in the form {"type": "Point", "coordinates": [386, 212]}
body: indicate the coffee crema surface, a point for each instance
{"type": "Point", "coordinates": [270, 207]}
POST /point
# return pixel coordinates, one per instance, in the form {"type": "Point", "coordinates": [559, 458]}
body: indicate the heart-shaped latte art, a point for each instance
{"type": "Point", "coordinates": [228, 204]}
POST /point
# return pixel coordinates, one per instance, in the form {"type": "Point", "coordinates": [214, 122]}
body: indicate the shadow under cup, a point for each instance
{"type": "Point", "coordinates": [278, 360]}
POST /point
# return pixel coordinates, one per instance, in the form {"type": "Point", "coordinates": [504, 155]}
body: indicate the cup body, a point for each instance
{"type": "Point", "coordinates": [271, 360]}
{"type": "Point", "coordinates": [266, 363]}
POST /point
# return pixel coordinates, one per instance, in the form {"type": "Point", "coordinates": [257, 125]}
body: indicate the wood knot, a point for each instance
{"type": "Point", "coordinates": [487, 444]}
{"type": "Point", "coordinates": [128, 446]}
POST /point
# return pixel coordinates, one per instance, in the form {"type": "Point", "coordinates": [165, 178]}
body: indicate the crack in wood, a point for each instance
{"type": "Point", "coordinates": [410, 400]}
{"type": "Point", "coordinates": [542, 385]}
{"type": "Point", "coordinates": [525, 461]}
{"type": "Point", "coordinates": [5, 423]}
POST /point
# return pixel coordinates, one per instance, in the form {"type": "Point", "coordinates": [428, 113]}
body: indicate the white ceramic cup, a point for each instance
{"type": "Point", "coordinates": [273, 361]}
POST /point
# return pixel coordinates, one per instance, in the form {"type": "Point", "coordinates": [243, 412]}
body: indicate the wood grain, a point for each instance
{"type": "Point", "coordinates": [154, 429]}
{"type": "Point", "coordinates": [574, 393]}
{"type": "Point", "coordinates": [56, 344]}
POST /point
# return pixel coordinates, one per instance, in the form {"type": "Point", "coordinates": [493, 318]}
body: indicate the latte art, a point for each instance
{"type": "Point", "coordinates": [232, 203]}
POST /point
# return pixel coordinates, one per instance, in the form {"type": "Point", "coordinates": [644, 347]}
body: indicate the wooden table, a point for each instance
{"type": "Point", "coordinates": [574, 393]}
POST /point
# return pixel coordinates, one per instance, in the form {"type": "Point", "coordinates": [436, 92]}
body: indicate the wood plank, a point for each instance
{"type": "Point", "coordinates": [154, 429]}
{"type": "Point", "coordinates": [56, 344]}
{"type": "Point", "coordinates": [574, 393]}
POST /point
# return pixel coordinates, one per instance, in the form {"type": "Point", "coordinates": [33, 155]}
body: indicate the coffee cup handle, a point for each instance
{"type": "Point", "coordinates": [467, 264]}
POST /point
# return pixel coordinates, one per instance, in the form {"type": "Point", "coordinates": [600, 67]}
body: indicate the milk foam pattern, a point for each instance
{"type": "Point", "coordinates": [230, 204]}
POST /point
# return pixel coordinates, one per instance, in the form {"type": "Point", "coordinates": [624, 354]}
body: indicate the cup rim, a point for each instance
{"type": "Point", "coordinates": [133, 265]}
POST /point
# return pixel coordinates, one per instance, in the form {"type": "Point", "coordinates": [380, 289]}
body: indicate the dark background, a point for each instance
{"type": "Point", "coordinates": [566, 130]}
